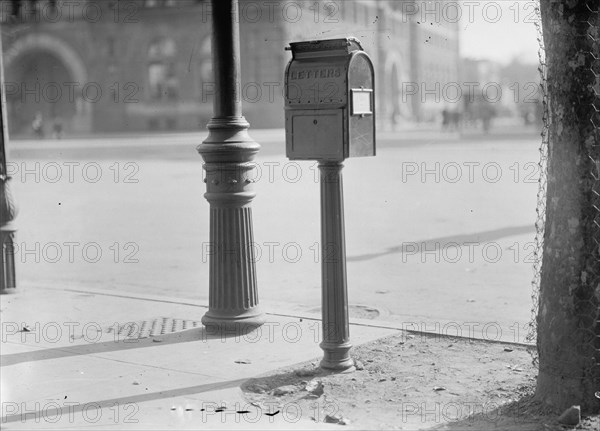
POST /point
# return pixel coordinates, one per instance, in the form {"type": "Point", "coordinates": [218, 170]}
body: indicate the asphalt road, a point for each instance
{"type": "Point", "coordinates": [439, 230]}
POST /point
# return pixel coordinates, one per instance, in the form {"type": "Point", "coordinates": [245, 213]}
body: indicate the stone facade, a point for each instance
{"type": "Point", "coordinates": [134, 65]}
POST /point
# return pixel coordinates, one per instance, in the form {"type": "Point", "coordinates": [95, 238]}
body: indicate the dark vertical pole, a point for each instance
{"type": "Point", "coordinates": [8, 209]}
{"type": "Point", "coordinates": [226, 59]}
{"type": "Point", "coordinates": [228, 152]}
{"type": "Point", "coordinates": [336, 328]}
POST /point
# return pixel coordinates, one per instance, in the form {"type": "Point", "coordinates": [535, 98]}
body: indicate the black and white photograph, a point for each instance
{"type": "Point", "coordinates": [300, 215]}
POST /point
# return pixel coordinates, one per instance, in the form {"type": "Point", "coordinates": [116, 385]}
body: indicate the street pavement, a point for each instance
{"type": "Point", "coordinates": [439, 234]}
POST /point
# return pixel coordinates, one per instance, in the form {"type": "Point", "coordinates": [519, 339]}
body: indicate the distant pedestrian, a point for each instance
{"type": "Point", "coordinates": [57, 128]}
{"type": "Point", "coordinates": [38, 125]}
{"type": "Point", "coordinates": [395, 117]}
{"type": "Point", "coordinates": [487, 113]}
{"type": "Point", "coordinates": [455, 119]}
{"type": "Point", "coordinates": [445, 119]}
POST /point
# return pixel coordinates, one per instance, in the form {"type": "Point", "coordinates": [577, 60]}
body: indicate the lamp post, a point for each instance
{"type": "Point", "coordinates": [8, 209]}
{"type": "Point", "coordinates": [228, 152]}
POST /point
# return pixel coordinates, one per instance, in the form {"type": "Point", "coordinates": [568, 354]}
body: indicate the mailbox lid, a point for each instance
{"type": "Point", "coordinates": [324, 48]}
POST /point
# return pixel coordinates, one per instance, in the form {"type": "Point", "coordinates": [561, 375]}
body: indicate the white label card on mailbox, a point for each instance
{"type": "Point", "coordinates": [361, 101]}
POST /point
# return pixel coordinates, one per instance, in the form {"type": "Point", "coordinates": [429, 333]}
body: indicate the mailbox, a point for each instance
{"type": "Point", "coordinates": [329, 101]}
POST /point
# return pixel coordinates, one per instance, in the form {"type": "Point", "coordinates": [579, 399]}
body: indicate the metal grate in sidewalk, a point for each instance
{"type": "Point", "coordinates": [152, 327]}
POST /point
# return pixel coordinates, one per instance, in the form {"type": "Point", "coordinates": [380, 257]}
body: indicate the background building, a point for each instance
{"type": "Point", "coordinates": [133, 65]}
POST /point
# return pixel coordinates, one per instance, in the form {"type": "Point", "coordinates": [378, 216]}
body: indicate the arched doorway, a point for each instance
{"type": "Point", "coordinates": [40, 85]}
{"type": "Point", "coordinates": [44, 78]}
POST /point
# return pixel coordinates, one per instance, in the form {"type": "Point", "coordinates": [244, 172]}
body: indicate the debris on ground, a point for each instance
{"type": "Point", "coordinates": [571, 416]}
{"type": "Point", "coordinates": [399, 380]}
{"type": "Point", "coordinates": [258, 388]}
{"type": "Point", "coordinates": [315, 387]}
{"type": "Point", "coordinates": [308, 372]}
{"type": "Point", "coordinates": [283, 390]}
{"type": "Point", "coordinates": [336, 419]}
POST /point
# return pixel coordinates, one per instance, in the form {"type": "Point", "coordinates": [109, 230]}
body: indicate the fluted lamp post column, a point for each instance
{"type": "Point", "coordinates": [228, 152]}
{"type": "Point", "coordinates": [8, 209]}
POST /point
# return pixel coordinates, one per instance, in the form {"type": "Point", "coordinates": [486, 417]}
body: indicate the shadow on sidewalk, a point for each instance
{"type": "Point", "coordinates": [196, 334]}
{"type": "Point", "coordinates": [413, 247]}
{"type": "Point", "coordinates": [131, 401]}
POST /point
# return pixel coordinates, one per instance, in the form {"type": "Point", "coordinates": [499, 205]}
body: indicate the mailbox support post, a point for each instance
{"type": "Point", "coordinates": [8, 209]}
{"type": "Point", "coordinates": [336, 328]}
{"type": "Point", "coordinates": [228, 152]}
{"type": "Point", "coordinates": [330, 125]}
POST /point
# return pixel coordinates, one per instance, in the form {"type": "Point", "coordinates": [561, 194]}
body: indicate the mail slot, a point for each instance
{"type": "Point", "coordinates": [329, 101]}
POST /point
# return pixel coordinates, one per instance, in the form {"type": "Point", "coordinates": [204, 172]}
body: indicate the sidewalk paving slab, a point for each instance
{"type": "Point", "coordinates": [71, 368]}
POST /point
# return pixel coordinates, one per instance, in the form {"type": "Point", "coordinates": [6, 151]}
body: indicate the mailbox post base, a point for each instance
{"type": "Point", "coordinates": [337, 356]}
{"type": "Point", "coordinates": [336, 327]}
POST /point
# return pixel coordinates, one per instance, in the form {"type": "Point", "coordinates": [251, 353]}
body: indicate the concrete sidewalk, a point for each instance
{"type": "Point", "coordinates": [82, 359]}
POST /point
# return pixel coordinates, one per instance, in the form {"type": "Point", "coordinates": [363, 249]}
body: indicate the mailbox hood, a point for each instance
{"type": "Point", "coordinates": [327, 47]}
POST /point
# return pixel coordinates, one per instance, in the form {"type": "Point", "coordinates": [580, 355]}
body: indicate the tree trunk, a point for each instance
{"type": "Point", "coordinates": [569, 302]}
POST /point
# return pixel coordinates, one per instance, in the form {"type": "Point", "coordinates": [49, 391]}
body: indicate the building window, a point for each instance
{"type": "Point", "coordinates": [205, 76]}
{"type": "Point", "coordinates": [171, 83]}
{"type": "Point", "coordinates": [160, 3]}
{"type": "Point", "coordinates": [162, 77]}
{"type": "Point", "coordinates": [162, 47]}
{"type": "Point", "coordinates": [157, 77]}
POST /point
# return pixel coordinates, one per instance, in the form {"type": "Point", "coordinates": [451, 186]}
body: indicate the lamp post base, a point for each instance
{"type": "Point", "coordinates": [236, 324]}
{"type": "Point", "coordinates": [228, 152]}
